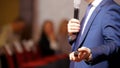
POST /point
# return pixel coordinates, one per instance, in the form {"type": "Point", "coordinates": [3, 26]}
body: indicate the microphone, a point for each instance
{"type": "Point", "coordinates": [76, 8]}
{"type": "Point", "coordinates": [76, 16]}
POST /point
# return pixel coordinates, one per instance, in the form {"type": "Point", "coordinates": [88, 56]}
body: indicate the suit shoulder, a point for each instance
{"type": "Point", "coordinates": [113, 9]}
{"type": "Point", "coordinates": [112, 14]}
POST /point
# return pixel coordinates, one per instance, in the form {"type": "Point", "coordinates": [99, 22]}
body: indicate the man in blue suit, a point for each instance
{"type": "Point", "coordinates": [98, 38]}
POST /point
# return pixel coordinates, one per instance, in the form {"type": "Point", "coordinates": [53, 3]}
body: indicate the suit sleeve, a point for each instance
{"type": "Point", "coordinates": [111, 34]}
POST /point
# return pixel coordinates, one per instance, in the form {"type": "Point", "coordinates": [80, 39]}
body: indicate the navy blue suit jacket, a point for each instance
{"type": "Point", "coordinates": [102, 36]}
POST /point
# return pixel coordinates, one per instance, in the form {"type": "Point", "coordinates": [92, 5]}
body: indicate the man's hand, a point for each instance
{"type": "Point", "coordinates": [84, 54]}
{"type": "Point", "coordinates": [73, 26]}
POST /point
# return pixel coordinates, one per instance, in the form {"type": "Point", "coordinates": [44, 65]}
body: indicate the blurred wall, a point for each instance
{"type": "Point", "coordinates": [9, 10]}
{"type": "Point", "coordinates": [118, 1]}
{"type": "Point", "coordinates": [55, 10]}
{"type": "Point", "coordinates": [26, 10]}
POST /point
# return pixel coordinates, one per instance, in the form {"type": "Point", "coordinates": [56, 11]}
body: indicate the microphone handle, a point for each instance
{"type": "Point", "coordinates": [76, 13]}
{"type": "Point", "coordinates": [76, 53]}
{"type": "Point", "coordinates": [76, 16]}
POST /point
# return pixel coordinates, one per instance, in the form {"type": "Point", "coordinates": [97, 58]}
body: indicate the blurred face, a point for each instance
{"type": "Point", "coordinates": [18, 27]}
{"type": "Point", "coordinates": [89, 1]}
{"type": "Point", "coordinates": [48, 28]}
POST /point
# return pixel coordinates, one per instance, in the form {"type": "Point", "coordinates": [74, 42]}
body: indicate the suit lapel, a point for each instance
{"type": "Point", "coordinates": [96, 11]}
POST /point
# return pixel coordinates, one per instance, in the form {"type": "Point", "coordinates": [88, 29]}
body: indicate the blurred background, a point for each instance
{"type": "Point", "coordinates": [33, 33]}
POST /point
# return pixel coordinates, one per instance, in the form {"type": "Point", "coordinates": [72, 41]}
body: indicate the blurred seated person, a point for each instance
{"type": "Point", "coordinates": [63, 37]}
{"type": "Point", "coordinates": [47, 42]}
{"type": "Point", "coordinates": [9, 34]}
{"type": "Point", "coordinates": [12, 31]}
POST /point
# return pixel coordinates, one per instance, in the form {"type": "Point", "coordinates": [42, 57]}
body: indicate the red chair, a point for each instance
{"type": "Point", "coordinates": [31, 51]}
{"type": "Point", "coordinates": [44, 61]}
{"type": "Point", "coordinates": [22, 58]}
{"type": "Point", "coordinates": [19, 53]}
{"type": "Point", "coordinates": [9, 56]}
{"type": "Point", "coordinates": [54, 58]}
{"type": "Point", "coordinates": [36, 52]}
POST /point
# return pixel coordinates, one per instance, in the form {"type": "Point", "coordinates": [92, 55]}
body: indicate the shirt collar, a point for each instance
{"type": "Point", "coordinates": [95, 3]}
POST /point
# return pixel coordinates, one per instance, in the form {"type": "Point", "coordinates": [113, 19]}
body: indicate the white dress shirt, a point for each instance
{"type": "Point", "coordinates": [95, 3]}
